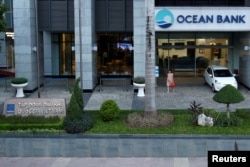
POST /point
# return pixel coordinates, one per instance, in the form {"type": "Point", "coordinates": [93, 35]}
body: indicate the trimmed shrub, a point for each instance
{"type": "Point", "coordinates": [233, 121]}
{"type": "Point", "coordinates": [74, 111]}
{"type": "Point", "coordinates": [78, 125]}
{"type": "Point", "coordinates": [14, 127]}
{"type": "Point", "coordinates": [139, 80]}
{"type": "Point", "coordinates": [73, 122]}
{"type": "Point", "coordinates": [73, 126]}
{"type": "Point", "coordinates": [78, 93]}
{"type": "Point", "coordinates": [88, 121]}
{"type": "Point", "coordinates": [30, 119]}
{"type": "Point", "coordinates": [76, 121]}
{"type": "Point", "coordinates": [243, 113]}
{"type": "Point", "coordinates": [228, 95]}
{"type": "Point", "coordinates": [19, 80]}
{"type": "Point", "coordinates": [109, 110]}
{"type": "Point", "coordinates": [211, 113]}
{"type": "Point", "coordinates": [30, 122]}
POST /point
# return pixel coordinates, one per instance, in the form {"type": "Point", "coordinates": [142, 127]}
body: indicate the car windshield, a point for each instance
{"type": "Point", "coordinates": [222, 73]}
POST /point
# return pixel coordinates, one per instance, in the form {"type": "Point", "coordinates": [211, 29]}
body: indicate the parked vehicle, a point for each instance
{"type": "Point", "coordinates": [219, 76]}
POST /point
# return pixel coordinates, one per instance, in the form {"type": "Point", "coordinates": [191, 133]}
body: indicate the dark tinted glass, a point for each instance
{"type": "Point", "coordinates": [222, 73]}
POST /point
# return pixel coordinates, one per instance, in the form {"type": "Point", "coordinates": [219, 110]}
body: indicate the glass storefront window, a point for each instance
{"type": "Point", "coordinates": [191, 52]}
{"type": "Point", "coordinates": [215, 50]}
{"type": "Point", "coordinates": [115, 53]}
{"type": "Point", "coordinates": [63, 54]}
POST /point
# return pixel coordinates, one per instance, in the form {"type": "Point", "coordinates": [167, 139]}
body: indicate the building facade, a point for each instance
{"type": "Point", "coordinates": [87, 38]}
{"type": "Point", "coordinates": [7, 39]}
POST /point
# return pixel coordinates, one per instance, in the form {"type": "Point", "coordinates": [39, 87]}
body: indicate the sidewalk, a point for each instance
{"type": "Point", "coordinates": [182, 97]}
{"type": "Point", "coordinates": [102, 162]}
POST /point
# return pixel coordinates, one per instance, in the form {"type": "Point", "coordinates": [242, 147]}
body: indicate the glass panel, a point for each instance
{"type": "Point", "coordinates": [188, 54]}
{"type": "Point", "coordinates": [215, 49]}
{"type": "Point", "coordinates": [67, 56]}
{"type": "Point", "coordinates": [65, 59]}
{"type": "Point", "coordinates": [63, 54]}
{"type": "Point", "coordinates": [10, 55]}
{"type": "Point", "coordinates": [55, 58]}
{"type": "Point", "coordinates": [176, 52]}
{"type": "Point", "coordinates": [9, 21]}
{"type": "Point", "coordinates": [210, 37]}
{"type": "Point", "coordinates": [115, 54]}
{"type": "Point", "coordinates": [199, 3]}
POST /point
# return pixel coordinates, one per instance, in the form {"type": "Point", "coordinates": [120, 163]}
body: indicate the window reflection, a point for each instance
{"type": "Point", "coordinates": [63, 56]}
{"type": "Point", "coordinates": [115, 54]}
{"type": "Point", "coordinates": [190, 52]}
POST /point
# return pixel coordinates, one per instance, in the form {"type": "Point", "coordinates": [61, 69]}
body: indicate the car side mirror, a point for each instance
{"type": "Point", "coordinates": [211, 75]}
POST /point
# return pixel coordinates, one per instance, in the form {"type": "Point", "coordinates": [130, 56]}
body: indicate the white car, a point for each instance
{"type": "Point", "coordinates": [218, 76]}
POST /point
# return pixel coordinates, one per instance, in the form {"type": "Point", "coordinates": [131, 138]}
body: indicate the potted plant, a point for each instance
{"type": "Point", "coordinates": [139, 82]}
{"type": "Point", "coordinates": [19, 84]}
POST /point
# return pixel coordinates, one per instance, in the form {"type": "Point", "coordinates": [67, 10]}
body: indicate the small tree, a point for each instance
{"type": "Point", "coordinates": [3, 9]}
{"type": "Point", "coordinates": [77, 121]}
{"type": "Point", "coordinates": [78, 93]}
{"type": "Point", "coordinates": [74, 111]}
{"type": "Point", "coordinates": [228, 95]}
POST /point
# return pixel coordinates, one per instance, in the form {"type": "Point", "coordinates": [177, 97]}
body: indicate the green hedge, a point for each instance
{"type": "Point", "coordinates": [28, 119]}
{"type": "Point", "coordinates": [30, 122]}
{"type": "Point", "coordinates": [11, 127]}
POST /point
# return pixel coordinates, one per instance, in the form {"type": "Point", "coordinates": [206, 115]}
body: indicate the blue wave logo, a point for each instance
{"type": "Point", "coordinates": [164, 18]}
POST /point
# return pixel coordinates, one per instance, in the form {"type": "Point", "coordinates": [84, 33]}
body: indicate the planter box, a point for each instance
{"type": "Point", "coordinates": [19, 88]}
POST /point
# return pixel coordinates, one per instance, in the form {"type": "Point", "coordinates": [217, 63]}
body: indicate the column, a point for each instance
{"type": "Point", "coordinates": [84, 40]}
{"type": "Point", "coordinates": [139, 38]}
{"type": "Point", "coordinates": [25, 40]}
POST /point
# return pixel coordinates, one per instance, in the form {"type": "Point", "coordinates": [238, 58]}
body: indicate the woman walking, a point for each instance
{"type": "Point", "coordinates": [170, 81]}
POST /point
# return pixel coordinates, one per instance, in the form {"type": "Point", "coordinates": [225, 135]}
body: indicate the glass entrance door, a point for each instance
{"type": "Point", "coordinates": [177, 53]}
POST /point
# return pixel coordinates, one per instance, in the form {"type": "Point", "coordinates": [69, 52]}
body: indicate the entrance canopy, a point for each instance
{"type": "Point", "coordinates": [202, 19]}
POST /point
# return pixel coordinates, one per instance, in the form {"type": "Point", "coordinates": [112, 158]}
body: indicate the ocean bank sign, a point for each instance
{"type": "Point", "coordinates": [202, 19]}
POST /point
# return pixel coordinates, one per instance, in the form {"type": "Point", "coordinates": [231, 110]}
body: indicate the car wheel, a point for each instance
{"type": "Point", "coordinates": [213, 89]}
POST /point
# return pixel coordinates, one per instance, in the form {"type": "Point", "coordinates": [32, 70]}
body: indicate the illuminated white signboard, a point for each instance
{"type": "Point", "coordinates": [202, 19]}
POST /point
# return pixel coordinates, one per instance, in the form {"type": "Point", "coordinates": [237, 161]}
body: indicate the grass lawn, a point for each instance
{"type": "Point", "coordinates": [181, 125]}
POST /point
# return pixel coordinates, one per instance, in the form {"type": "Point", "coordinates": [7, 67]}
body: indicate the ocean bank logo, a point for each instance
{"type": "Point", "coordinates": [164, 18]}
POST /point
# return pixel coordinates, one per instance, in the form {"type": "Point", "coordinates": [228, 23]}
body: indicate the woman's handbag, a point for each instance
{"type": "Point", "coordinates": [172, 84]}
